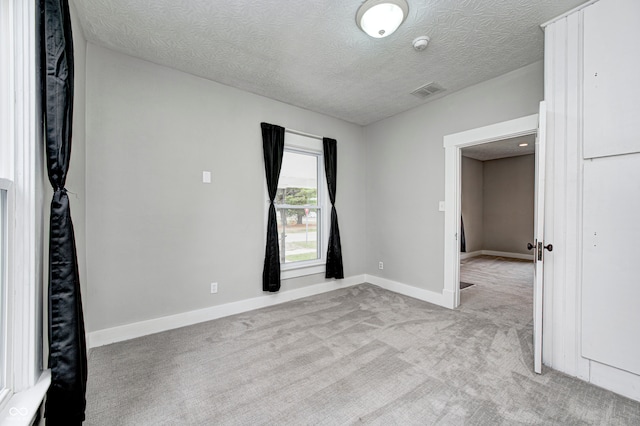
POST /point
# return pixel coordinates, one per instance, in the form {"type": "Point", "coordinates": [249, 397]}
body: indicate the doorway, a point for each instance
{"type": "Point", "coordinates": [497, 220]}
{"type": "Point", "coordinates": [453, 145]}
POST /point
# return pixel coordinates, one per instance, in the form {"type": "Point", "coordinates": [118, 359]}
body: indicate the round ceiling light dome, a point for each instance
{"type": "Point", "coordinates": [380, 18]}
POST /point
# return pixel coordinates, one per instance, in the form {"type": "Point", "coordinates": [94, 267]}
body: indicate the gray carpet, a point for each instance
{"type": "Point", "coordinates": [356, 355]}
{"type": "Point", "coordinates": [504, 292]}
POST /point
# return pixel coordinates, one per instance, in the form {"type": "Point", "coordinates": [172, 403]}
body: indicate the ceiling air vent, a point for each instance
{"type": "Point", "coordinates": [427, 90]}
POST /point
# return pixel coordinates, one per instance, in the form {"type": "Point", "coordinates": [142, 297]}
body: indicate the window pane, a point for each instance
{"type": "Point", "coordinates": [298, 183]}
{"type": "Point", "coordinates": [298, 234]}
{"type": "Point", "coordinates": [298, 228]}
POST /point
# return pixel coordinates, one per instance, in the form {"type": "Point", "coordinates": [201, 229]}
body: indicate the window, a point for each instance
{"type": "Point", "coordinates": [300, 208]}
{"type": "Point", "coordinates": [5, 165]}
{"type": "Point", "coordinates": [23, 384]}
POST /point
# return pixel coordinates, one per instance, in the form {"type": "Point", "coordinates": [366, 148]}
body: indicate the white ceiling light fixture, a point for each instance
{"type": "Point", "coordinates": [380, 18]}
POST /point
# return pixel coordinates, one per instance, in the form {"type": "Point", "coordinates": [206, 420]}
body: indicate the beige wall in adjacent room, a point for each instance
{"type": "Point", "coordinates": [508, 194]}
{"type": "Point", "coordinates": [405, 173]}
{"type": "Point", "coordinates": [472, 200]}
{"type": "Point", "coordinates": [156, 235]}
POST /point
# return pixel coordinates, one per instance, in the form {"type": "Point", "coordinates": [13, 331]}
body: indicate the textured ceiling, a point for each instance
{"type": "Point", "coordinates": [311, 53]}
{"type": "Point", "coordinates": [501, 149]}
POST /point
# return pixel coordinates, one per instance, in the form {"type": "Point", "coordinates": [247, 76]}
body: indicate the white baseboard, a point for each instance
{"type": "Point", "coordinates": [618, 381]}
{"type": "Point", "coordinates": [157, 325]}
{"type": "Point", "coordinates": [496, 253]}
{"type": "Point", "coordinates": [409, 290]}
{"type": "Point", "coordinates": [470, 254]}
{"type": "Point", "coordinates": [508, 254]}
{"type": "Point", "coordinates": [143, 328]}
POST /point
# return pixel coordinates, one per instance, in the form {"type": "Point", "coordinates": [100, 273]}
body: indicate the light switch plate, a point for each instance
{"type": "Point", "coordinates": [206, 177]}
{"type": "Point", "coordinates": [441, 206]}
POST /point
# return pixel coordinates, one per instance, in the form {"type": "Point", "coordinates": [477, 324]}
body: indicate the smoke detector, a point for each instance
{"type": "Point", "coordinates": [421, 43]}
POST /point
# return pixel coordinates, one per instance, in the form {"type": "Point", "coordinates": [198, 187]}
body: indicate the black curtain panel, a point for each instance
{"type": "Point", "coordinates": [334, 251]}
{"type": "Point", "coordinates": [67, 349]}
{"type": "Point", "coordinates": [273, 149]}
{"type": "Point", "coordinates": [463, 240]}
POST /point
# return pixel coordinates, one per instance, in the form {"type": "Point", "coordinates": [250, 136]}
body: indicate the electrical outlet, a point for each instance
{"type": "Point", "coordinates": [214, 288]}
{"type": "Point", "coordinates": [380, 265]}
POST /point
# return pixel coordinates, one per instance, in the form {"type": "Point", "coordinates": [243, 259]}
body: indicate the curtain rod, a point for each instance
{"type": "Point", "coordinates": [297, 132]}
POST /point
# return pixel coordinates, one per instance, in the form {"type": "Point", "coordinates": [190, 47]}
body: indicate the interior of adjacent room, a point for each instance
{"type": "Point", "coordinates": [497, 204]}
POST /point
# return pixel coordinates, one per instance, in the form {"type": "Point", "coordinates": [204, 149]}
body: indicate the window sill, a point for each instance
{"type": "Point", "coordinates": [23, 406]}
{"type": "Point", "coordinates": [290, 271]}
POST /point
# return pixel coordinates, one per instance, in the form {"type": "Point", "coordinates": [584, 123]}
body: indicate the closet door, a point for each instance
{"type": "Point", "coordinates": [611, 275]}
{"type": "Point", "coordinates": [611, 73]}
{"type": "Point", "coordinates": [611, 186]}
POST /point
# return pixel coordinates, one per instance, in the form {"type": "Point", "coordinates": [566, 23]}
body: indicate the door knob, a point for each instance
{"type": "Point", "coordinates": [549, 247]}
{"type": "Point", "coordinates": [529, 246]}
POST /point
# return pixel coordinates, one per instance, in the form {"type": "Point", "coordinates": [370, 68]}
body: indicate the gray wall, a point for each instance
{"type": "Point", "coordinates": [472, 202]}
{"type": "Point", "coordinates": [509, 185]}
{"type": "Point", "coordinates": [156, 235]}
{"type": "Point", "coordinates": [405, 173]}
{"type": "Point", "coordinates": [77, 167]}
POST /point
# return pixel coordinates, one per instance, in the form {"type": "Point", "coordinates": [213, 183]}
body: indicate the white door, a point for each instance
{"type": "Point", "coordinates": [538, 245]}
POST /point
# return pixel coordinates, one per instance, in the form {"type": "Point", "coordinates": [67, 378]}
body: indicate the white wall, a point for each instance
{"type": "Point", "coordinates": [405, 166]}
{"type": "Point", "coordinates": [156, 235]}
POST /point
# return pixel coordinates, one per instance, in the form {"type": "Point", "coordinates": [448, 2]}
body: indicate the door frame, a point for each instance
{"type": "Point", "coordinates": [453, 145]}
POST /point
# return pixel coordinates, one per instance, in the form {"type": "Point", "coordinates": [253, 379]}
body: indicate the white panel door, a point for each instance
{"type": "Point", "coordinates": [611, 72]}
{"type": "Point", "coordinates": [611, 262]}
{"type": "Point", "coordinates": [538, 239]}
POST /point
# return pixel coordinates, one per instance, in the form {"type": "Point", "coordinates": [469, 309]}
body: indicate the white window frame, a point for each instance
{"type": "Point", "coordinates": [300, 144]}
{"type": "Point", "coordinates": [21, 160]}
{"type": "Point", "coordinates": [6, 248]}
{"type": "Point", "coordinates": [6, 186]}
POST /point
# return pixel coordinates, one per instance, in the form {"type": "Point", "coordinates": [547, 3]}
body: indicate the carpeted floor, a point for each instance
{"type": "Point", "coordinates": [504, 290]}
{"type": "Point", "coordinates": [356, 355]}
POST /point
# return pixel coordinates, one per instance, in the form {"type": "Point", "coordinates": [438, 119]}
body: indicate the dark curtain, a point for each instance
{"type": "Point", "coordinates": [334, 251]}
{"type": "Point", "coordinates": [463, 240]}
{"type": "Point", "coordinates": [67, 349]}
{"type": "Point", "coordinates": [273, 149]}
